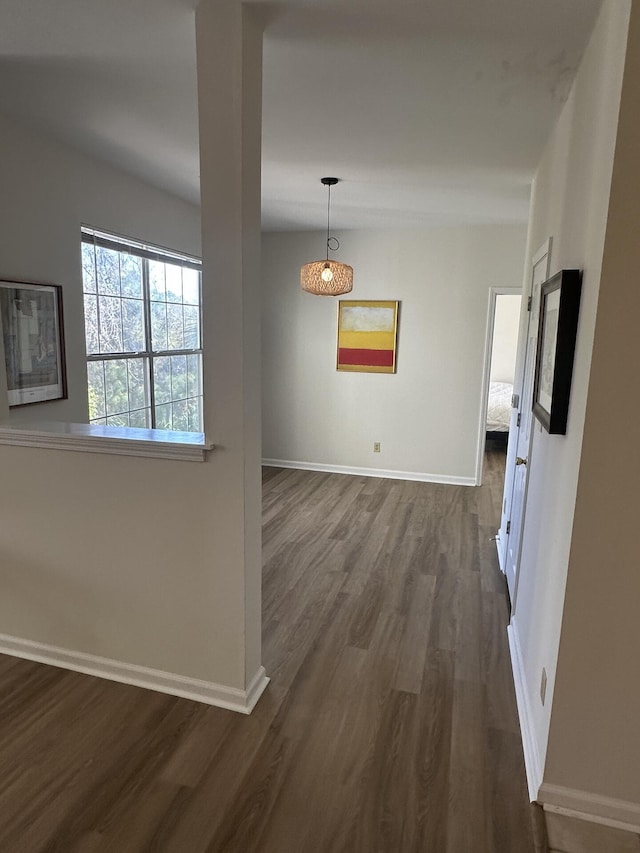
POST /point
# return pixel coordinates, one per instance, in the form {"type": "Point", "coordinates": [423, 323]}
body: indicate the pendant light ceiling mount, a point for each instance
{"type": "Point", "coordinates": [327, 278]}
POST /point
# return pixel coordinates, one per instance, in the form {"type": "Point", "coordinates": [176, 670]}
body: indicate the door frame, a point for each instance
{"type": "Point", "coordinates": [494, 292]}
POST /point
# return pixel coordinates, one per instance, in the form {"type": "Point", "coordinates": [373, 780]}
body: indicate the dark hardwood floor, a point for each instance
{"type": "Point", "coordinates": [389, 725]}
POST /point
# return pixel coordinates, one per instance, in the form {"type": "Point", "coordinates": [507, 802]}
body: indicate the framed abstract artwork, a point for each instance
{"type": "Point", "coordinates": [557, 329]}
{"type": "Point", "coordinates": [367, 335]}
{"type": "Point", "coordinates": [31, 323]}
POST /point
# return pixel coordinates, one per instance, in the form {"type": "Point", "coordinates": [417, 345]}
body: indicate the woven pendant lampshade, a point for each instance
{"type": "Point", "coordinates": [327, 278]}
{"type": "Point", "coordinates": [315, 278]}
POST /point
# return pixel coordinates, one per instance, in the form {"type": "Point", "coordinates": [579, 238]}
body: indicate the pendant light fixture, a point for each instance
{"type": "Point", "coordinates": [327, 278]}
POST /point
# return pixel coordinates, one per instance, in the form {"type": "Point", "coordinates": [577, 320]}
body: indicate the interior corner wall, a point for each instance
{"type": "Point", "coordinates": [505, 338]}
{"type": "Point", "coordinates": [426, 415]}
{"type": "Point", "coordinates": [570, 204]}
{"type": "Point", "coordinates": [594, 742]}
{"type": "Point", "coordinates": [48, 191]}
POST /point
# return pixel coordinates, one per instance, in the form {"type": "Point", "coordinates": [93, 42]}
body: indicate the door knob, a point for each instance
{"type": "Point", "coordinates": [520, 460]}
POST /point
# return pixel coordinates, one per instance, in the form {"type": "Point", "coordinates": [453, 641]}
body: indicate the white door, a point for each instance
{"type": "Point", "coordinates": [519, 455]}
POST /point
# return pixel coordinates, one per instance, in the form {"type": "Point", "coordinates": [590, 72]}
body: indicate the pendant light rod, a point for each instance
{"type": "Point", "coordinates": [329, 182]}
{"type": "Point", "coordinates": [328, 213]}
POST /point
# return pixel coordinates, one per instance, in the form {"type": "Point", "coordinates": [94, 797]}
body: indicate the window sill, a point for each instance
{"type": "Point", "coordinates": [119, 441]}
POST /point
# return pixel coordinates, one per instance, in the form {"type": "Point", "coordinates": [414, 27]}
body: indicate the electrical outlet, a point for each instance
{"type": "Point", "coordinates": [543, 685]}
{"type": "Point", "coordinates": [376, 447]}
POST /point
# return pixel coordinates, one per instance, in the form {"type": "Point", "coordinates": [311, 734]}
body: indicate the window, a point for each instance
{"type": "Point", "coordinates": [143, 334]}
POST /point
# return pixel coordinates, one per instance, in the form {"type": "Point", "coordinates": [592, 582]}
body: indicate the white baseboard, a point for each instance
{"type": "Point", "coordinates": [556, 798]}
{"type": "Point", "coordinates": [594, 808]}
{"type": "Point", "coordinates": [371, 472]}
{"type": "Point", "coordinates": [530, 746]}
{"type": "Point", "coordinates": [255, 690]}
{"type": "Point", "coordinates": [219, 695]}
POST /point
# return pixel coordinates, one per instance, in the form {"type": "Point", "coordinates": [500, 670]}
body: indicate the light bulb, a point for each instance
{"type": "Point", "coordinates": [326, 274]}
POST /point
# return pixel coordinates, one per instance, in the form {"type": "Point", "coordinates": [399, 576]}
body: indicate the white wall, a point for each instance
{"type": "Point", "coordinates": [48, 192]}
{"type": "Point", "coordinates": [426, 416]}
{"type": "Point", "coordinates": [505, 338]}
{"type": "Point", "coordinates": [115, 557]}
{"type": "Point", "coordinates": [594, 742]}
{"type": "Point", "coordinates": [570, 204]}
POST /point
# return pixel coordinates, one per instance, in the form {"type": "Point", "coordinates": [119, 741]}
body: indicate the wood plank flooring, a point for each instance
{"type": "Point", "coordinates": [389, 725]}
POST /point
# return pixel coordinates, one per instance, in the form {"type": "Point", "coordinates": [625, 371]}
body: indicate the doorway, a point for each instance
{"type": "Point", "coordinates": [501, 347]}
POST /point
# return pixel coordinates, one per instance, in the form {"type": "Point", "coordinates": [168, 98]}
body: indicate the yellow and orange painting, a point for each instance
{"type": "Point", "coordinates": [367, 332]}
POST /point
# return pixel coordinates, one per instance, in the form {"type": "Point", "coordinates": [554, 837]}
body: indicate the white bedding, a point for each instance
{"type": "Point", "coordinates": [499, 406]}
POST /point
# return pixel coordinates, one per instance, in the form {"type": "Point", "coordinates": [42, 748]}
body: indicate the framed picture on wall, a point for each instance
{"type": "Point", "coordinates": [32, 335]}
{"type": "Point", "coordinates": [367, 335]}
{"type": "Point", "coordinates": [557, 328]}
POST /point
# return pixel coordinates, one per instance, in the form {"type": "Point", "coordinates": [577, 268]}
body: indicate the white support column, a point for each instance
{"type": "Point", "coordinates": [229, 48]}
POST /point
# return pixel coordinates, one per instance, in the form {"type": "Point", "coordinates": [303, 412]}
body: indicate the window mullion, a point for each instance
{"type": "Point", "coordinates": [95, 274]}
{"type": "Point", "coordinates": [146, 290]}
{"type": "Point", "coordinates": [120, 306]}
{"type": "Point", "coordinates": [104, 390]}
{"type": "Point", "coordinates": [164, 352]}
{"type": "Point", "coordinates": [113, 356]}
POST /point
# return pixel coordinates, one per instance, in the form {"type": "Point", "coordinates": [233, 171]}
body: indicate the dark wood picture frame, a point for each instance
{"type": "Point", "coordinates": [32, 329]}
{"type": "Point", "coordinates": [557, 329]}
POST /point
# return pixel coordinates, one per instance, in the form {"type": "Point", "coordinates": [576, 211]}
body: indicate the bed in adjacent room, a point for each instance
{"type": "Point", "coordinates": [499, 410]}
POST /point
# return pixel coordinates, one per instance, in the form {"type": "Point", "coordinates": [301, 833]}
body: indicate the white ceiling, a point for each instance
{"type": "Point", "coordinates": [430, 111]}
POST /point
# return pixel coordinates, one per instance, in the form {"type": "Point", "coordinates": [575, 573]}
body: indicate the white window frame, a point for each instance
{"type": "Point", "coordinates": [147, 253]}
